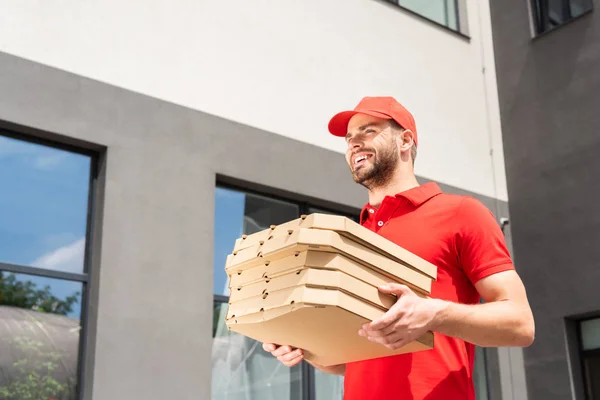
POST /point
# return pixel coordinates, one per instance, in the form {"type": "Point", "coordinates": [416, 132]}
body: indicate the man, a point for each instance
{"type": "Point", "coordinates": [458, 235]}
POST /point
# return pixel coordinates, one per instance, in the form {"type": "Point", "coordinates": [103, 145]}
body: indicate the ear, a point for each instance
{"type": "Point", "coordinates": [407, 139]}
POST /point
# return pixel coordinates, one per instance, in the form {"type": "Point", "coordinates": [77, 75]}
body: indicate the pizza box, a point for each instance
{"type": "Point", "coordinates": [314, 260]}
{"type": "Point", "coordinates": [347, 228]}
{"type": "Point", "coordinates": [293, 242]}
{"type": "Point", "coordinates": [324, 323]}
{"type": "Point", "coordinates": [318, 278]}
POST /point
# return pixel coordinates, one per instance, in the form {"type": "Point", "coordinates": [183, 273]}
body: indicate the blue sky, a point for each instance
{"type": "Point", "coordinates": [229, 225]}
{"type": "Point", "coordinates": [43, 211]}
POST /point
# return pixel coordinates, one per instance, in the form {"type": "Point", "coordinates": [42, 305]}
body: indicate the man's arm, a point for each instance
{"type": "Point", "coordinates": [504, 320]}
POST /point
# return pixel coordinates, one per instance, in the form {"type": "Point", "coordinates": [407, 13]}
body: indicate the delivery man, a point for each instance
{"type": "Point", "coordinates": [459, 235]}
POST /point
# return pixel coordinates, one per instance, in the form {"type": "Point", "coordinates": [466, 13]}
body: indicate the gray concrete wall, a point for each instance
{"type": "Point", "coordinates": [151, 309]}
{"type": "Point", "coordinates": [549, 90]}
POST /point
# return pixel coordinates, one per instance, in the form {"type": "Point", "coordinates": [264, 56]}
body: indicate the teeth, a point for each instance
{"type": "Point", "coordinates": [360, 158]}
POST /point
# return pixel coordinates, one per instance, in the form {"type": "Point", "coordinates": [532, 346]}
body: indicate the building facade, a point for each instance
{"type": "Point", "coordinates": [139, 140]}
{"type": "Point", "coordinates": [548, 63]}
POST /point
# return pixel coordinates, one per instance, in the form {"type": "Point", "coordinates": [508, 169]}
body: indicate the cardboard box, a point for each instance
{"type": "Point", "coordinates": [295, 241]}
{"type": "Point", "coordinates": [322, 322]}
{"type": "Point", "coordinates": [314, 260]}
{"type": "Point", "coordinates": [317, 278]}
{"type": "Point", "coordinates": [311, 283]}
{"type": "Point", "coordinates": [347, 228]}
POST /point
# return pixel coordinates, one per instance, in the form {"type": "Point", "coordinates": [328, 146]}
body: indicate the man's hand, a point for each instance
{"type": "Point", "coordinates": [288, 356]}
{"type": "Point", "coordinates": [291, 357]}
{"type": "Point", "coordinates": [409, 318]}
{"type": "Point", "coordinates": [504, 319]}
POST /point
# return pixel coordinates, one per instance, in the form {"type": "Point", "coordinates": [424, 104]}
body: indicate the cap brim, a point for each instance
{"type": "Point", "coordinates": [338, 125]}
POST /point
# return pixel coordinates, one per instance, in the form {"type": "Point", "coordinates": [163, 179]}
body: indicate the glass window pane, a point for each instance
{"type": "Point", "coordinates": [452, 14]}
{"type": "Point", "coordinates": [242, 370]}
{"type": "Point", "coordinates": [43, 205]}
{"type": "Point", "coordinates": [579, 7]}
{"type": "Point", "coordinates": [39, 337]}
{"type": "Point", "coordinates": [313, 210]}
{"type": "Point", "coordinates": [238, 213]}
{"type": "Point", "coordinates": [591, 365]}
{"type": "Point", "coordinates": [440, 11]}
{"type": "Point", "coordinates": [590, 334]}
{"type": "Point", "coordinates": [328, 387]}
{"type": "Point", "coordinates": [479, 375]}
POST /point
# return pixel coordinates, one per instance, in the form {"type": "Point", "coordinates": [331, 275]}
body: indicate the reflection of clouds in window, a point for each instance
{"type": "Point", "coordinates": [68, 258]}
{"type": "Point", "coordinates": [33, 155]}
{"type": "Point", "coordinates": [43, 205]}
{"type": "Point", "coordinates": [48, 162]}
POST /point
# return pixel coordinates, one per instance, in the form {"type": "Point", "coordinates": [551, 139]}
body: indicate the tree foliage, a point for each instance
{"type": "Point", "coordinates": [26, 294]}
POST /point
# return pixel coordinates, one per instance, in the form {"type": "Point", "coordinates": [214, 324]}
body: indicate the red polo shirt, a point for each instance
{"type": "Point", "coordinates": [461, 237]}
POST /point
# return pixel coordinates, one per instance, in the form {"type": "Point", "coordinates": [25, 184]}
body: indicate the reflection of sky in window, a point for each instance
{"type": "Point", "coordinates": [229, 225]}
{"type": "Point", "coordinates": [43, 210]}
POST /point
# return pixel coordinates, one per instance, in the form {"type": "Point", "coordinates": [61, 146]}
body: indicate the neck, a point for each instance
{"type": "Point", "coordinates": [400, 182]}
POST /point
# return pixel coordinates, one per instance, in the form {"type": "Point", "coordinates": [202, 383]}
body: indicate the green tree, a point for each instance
{"type": "Point", "coordinates": [25, 294]}
{"type": "Point", "coordinates": [33, 375]}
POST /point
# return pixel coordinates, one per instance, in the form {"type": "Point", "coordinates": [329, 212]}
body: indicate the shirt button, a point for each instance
{"type": "Point", "coordinates": [371, 211]}
{"type": "Point", "coordinates": [380, 223]}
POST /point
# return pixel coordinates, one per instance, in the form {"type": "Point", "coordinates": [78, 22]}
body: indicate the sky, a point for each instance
{"type": "Point", "coordinates": [229, 225]}
{"type": "Point", "coordinates": [43, 211]}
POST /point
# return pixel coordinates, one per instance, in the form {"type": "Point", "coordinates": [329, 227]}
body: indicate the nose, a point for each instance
{"type": "Point", "coordinates": [354, 142]}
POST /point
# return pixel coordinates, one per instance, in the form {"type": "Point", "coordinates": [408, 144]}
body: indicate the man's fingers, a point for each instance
{"type": "Point", "coordinates": [381, 332]}
{"type": "Point", "coordinates": [285, 354]}
{"type": "Point", "coordinates": [289, 355]}
{"type": "Point", "coordinates": [389, 341]}
{"type": "Point", "coordinates": [291, 359]}
{"type": "Point", "coordinates": [395, 288]}
{"type": "Point", "coordinates": [269, 347]}
{"type": "Point", "coordinates": [388, 319]}
{"type": "Point", "coordinates": [282, 350]}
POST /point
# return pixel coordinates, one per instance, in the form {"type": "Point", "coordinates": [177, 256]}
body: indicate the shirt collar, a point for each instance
{"type": "Point", "coordinates": [417, 196]}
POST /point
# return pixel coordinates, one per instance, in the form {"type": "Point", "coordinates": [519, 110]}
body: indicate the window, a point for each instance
{"type": "Point", "coordinates": [240, 367]}
{"type": "Point", "coordinates": [550, 14]}
{"type": "Point", "coordinates": [589, 341]}
{"type": "Point", "coordinates": [44, 212]}
{"type": "Point", "coordinates": [443, 12]}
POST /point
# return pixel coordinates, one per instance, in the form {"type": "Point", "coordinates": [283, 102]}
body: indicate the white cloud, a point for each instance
{"type": "Point", "coordinates": [67, 258]}
{"type": "Point", "coordinates": [48, 162]}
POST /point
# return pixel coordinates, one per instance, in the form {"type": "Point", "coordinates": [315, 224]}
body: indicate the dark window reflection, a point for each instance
{"type": "Point", "coordinates": [238, 213]}
{"type": "Point", "coordinates": [39, 337]}
{"type": "Point", "coordinates": [43, 205]}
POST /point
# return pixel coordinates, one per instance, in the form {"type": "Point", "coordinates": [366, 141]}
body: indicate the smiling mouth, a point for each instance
{"type": "Point", "coordinates": [361, 160]}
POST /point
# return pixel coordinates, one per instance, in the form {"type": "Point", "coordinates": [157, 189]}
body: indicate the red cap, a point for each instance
{"type": "Point", "coordinates": [380, 107]}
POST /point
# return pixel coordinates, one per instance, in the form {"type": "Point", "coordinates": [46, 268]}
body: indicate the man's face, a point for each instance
{"type": "Point", "coordinates": [372, 152]}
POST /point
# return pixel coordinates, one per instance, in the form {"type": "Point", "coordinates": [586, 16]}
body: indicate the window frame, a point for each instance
{"type": "Point", "coordinates": [583, 354]}
{"type": "Point", "coordinates": [460, 16]}
{"type": "Point", "coordinates": [540, 17]}
{"type": "Point", "coordinates": [307, 371]}
{"type": "Point", "coordinates": [82, 277]}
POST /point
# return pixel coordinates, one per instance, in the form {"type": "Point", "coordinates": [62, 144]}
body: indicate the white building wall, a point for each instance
{"type": "Point", "coordinates": [285, 67]}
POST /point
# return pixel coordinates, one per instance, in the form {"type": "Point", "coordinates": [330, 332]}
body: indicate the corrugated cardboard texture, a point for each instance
{"type": "Point", "coordinates": [298, 240]}
{"type": "Point", "coordinates": [314, 260]}
{"type": "Point", "coordinates": [318, 279]}
{"type": "Point", "coordinates": [328, 335]}
{"type": "Point", "coordinates": [345, 227]}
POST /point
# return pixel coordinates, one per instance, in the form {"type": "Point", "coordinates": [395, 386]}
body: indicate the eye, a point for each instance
{"type": "Point", "coordinates": [370, 131]}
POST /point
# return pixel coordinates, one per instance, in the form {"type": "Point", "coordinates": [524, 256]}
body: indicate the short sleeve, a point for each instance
{"type": "Point", "coordinates": [480, 243]}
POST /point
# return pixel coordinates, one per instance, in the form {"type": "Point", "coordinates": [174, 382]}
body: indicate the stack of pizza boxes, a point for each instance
{"type": "Point", "coordinates": [312, 282]}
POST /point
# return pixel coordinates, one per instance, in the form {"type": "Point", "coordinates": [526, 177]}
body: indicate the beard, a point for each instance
{"type": "Point", "coordinates": [379, 172]}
